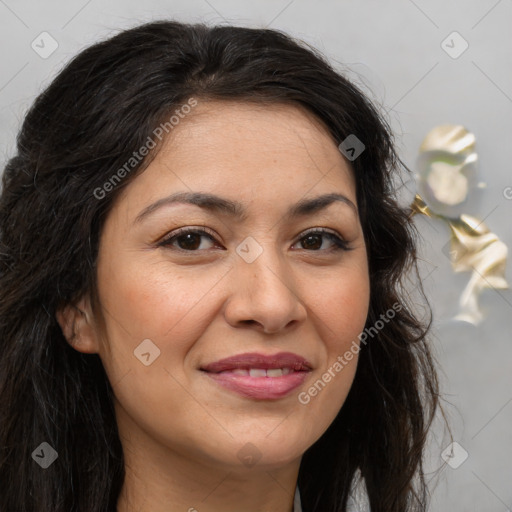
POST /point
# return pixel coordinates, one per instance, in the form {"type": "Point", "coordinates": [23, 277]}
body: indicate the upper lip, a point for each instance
{"type": "Point", "coordinates": [254, 360]}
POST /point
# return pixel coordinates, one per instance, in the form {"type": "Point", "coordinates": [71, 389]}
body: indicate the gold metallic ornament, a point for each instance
{"type": "Point", "coordinates": [447, 173]}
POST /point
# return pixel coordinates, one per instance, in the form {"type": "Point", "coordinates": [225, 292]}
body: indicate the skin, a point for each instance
{"type": "Point", "coordinates": [181, 432]}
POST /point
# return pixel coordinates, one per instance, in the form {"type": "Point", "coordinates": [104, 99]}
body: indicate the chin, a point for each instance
{"type": "Point", "coordinates": [269, 451]}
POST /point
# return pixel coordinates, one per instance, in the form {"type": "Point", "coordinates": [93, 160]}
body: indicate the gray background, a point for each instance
{"type": "Point", "coordinates": [394, 50]}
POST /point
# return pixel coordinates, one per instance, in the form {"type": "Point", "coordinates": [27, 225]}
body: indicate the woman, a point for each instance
{"type": "Point", "coordinates": [201, 274]}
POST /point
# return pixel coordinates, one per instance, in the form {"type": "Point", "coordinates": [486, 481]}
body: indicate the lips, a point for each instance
{"type": "Point", "coordinates": [255, 361]}
{"type": "Point", "coordinates": [258, 376]}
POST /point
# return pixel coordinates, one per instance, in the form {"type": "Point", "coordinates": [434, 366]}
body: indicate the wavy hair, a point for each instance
{"type": "Point", "coordinates": [101, 107]}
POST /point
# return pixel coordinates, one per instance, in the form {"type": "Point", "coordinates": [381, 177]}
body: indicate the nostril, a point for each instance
{"type": "Point", "coordinates": [249, 322]}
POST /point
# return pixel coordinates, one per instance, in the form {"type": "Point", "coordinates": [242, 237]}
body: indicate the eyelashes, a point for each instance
{"type": "Point", "coordinates": [190, 237]}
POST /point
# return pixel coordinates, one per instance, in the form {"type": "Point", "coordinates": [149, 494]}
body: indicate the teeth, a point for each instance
{"type": "Point", "coordinates": [257, 372]}
{"type": "Point", "coordinates": [240, 371]}
{"type": "Point", "coordinates": [260, 372]}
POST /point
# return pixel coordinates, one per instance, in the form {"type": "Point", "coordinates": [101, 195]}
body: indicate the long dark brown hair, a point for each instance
{"type": "Point", "coordinates": [80, 130]}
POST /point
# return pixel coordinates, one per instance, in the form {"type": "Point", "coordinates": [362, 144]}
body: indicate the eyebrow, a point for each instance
{"type": "Point", "coordinates": [237, 210]}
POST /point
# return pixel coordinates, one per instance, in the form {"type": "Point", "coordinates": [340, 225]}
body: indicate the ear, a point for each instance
{"type": "Point", "coordinates": [76, 322]}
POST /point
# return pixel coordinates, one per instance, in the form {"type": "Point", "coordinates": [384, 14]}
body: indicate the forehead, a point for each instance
{"type": "Point", "coordinates": [255, 128]}
{"type": "Point", "coordinates": [261, 152]}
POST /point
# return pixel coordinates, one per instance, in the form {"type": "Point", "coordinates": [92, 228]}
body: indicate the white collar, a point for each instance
{"type": "Point", "coordinates": [357, 501]}
{"type": "Point", "coordinates": [297, 506]}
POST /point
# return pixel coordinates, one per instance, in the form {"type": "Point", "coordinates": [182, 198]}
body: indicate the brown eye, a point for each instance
{"type": "Point", "coordinates": [314, 240]}
{"type": "Point", "coordinates": [190, 240]}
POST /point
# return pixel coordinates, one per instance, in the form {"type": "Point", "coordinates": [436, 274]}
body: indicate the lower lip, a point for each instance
{"type": "Point", "coordinates": [260, 388]}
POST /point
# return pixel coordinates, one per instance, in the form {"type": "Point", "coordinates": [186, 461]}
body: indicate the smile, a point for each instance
{"type": "Point", "coordinates": [258, 376]}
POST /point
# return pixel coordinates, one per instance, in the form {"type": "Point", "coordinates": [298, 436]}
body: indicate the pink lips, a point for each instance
{"type": "Point", "coordinates": [258, 376]}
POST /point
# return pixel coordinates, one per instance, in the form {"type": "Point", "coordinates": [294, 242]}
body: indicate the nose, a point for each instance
{"type": "Point", "coordinates": [264, 294]}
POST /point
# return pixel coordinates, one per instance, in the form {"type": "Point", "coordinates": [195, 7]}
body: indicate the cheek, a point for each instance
{"type": "Point", "coordinates": [340, 315]}
{"type": "Point", "coordinates": [341, 306]}
{"type": "Point", "coordinates": [155, 301]}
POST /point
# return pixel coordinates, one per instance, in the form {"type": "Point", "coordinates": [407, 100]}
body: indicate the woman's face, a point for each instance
{"type": "Point", "coordinates": [262, 281]}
